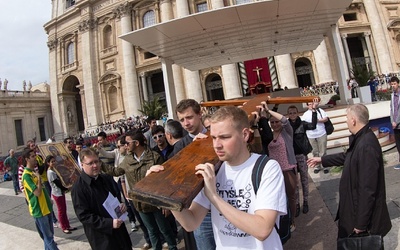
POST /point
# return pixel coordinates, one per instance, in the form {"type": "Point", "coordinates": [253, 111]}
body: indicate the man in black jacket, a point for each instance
{"type": "Point", "coordinates": [302, 148]}
{"type": "Point", "coordinates": [362, 191]}
{"type": "Point", "coordinates": [88, 195]}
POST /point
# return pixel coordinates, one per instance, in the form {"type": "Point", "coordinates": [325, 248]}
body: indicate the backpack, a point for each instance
{"type": "Point", "coordinates": [285, 220]}
{"type": "Point", "coordinates": [7, 177]}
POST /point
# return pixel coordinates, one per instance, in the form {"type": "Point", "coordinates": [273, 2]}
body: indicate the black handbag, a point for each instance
{"type": "Point", "coordinates": [328, 125]}
{"type": "Point", "coordinates": [360, 242]}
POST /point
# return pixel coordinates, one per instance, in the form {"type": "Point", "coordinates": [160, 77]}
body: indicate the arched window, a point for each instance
{"type": "Point", "coordinates": [149, 19]}
{"type": "Point", "coordinates": [112, 98]}
{"type": "Point", "coordinates": [107, 36]}
{"type": "Point", "coordinates": [70, 53]}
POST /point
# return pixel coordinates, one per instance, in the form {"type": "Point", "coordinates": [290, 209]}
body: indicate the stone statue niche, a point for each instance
{"type": "Point", "coordinates": [70, 117]}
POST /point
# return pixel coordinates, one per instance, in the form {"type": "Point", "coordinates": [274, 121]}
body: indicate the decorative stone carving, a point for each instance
{"type": "Point", "coordinates": [87, 24]}
{"type": "Point", "coordinates": [122, 10]}
{"type": "Point", "coordinates": [52, 44]}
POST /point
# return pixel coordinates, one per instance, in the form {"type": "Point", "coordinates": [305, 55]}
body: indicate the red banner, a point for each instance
{"type": "Point", "coordinates": [260, 65]}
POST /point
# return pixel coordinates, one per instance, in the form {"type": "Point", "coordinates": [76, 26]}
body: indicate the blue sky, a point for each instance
{"type": "Point", "coordinates": [23, 42]}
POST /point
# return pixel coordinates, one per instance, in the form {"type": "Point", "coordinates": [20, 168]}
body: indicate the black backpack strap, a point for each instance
{"type": "Point", "coordinates": [258, 170]}
{"type": "Point", "coordinates": [257, 174]}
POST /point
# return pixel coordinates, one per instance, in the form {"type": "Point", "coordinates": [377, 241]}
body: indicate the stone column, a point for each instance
{"type": "Point", "coordinates": [128, 55]}
{"type": "Point", "coordinates": [167, 14]}
{"type": "Point", "coordinates": [89, 67]}
{"type": "Point", "coordinates": [347, 53]}
{"type": "Point", "coordinates": [231, 81]}
{"type": "Point", "coordinates": [380, 39]}
{"type": "Point", "coordinates": [367, 37]}
{"type": "Point", "coordinates": [216, 4]}
{"type": "Point", "coordinates": [168, 86]}
{"type": "Point", "coordinates": [54, 49]}
{"type": "Point", "coordinates": [285, 68]}
{"type": "Point", "coordinates": [144, 86]}
{"type": "Point", "coordinates": [182, 8]}
{"type": "Point", "coordinates": [193, 87]}
{"type": "Point", "coordinates": [340, 62]}
{"type": "Point", "coordinates": [230, 72]}
{"type": "Point", "coordinates": [322, 63]}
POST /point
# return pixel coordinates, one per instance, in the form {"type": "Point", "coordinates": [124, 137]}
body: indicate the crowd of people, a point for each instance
{"type": "Point", "coordinates": [111, 164]}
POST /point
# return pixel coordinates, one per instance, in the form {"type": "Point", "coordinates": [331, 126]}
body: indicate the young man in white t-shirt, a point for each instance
{"type": "Point", "coordinates": [318, 136]}
{"type": "Point", "coordinates": [240, 219]}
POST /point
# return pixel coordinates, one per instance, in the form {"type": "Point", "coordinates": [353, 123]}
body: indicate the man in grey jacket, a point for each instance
{"type": "Point", "coordinates": [394, 113]}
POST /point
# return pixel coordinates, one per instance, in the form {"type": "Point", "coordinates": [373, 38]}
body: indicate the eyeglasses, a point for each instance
{"type": "Point", "coordinates": [158, 136]}
{"type": "Point", "coordinates": [129, 142]}
{"type": "Point", "coordinates": [69, 142]}
{"type": "Point", "coordinates": [92, 163]}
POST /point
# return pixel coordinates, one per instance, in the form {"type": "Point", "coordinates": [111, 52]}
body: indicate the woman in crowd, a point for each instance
{"type": "Point", "coordinates": [58, 194]}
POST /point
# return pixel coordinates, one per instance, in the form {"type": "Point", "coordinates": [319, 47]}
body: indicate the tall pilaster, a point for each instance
{"type": "Point", "coordinates": [382, 48]}
{"type": "Point", "coordinates": [144, 86]}
{"type": "Point", "coordinates": [367, 36]}
{"type": "Point", "coordinates": [231, 81]}
{"type": "Point", "coordinates": [347, 52]}
{"type": "Point", "coordinates": [285, 71]}
{"type": "Point", "coordinates": [169, 87]}
{"type": "Point", "coordinates": [131, 87]}
{"type": "Point", "coordinates": [340, 62]}
{"type": "Point", "coordinates": [322, 63]}
{"type": "Point", "coordinates": [54, 89]}
{"type": "Point", "coordinates": [89, 64]}
{"type": "Point", "coordinates": [182, 8]}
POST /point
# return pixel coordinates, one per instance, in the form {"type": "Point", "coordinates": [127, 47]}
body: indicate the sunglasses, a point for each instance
{"type": "Point", "coordinates": [272, 122]}
{"type": "Point", "coordinates": [158, 136]}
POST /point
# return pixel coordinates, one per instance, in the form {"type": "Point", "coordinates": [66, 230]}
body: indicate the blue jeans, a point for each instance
{"type": "Point", "coordinates": [156, 222]}
{"type": "Point", "coordinates": [46, 231]}
{"type": "Point", "coordinates": [14, 178]}
{"type": "Point", "coordinates": [204, 235]}
{"type": "Point", "coordinates": [48, 188]}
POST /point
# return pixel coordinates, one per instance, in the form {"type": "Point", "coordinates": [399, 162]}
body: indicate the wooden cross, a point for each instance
{"type": "Point", "coordinates": [176, 186]}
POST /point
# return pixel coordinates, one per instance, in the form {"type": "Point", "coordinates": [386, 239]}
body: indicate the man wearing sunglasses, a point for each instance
{"type": "Point", "coordinates": [163, 147]}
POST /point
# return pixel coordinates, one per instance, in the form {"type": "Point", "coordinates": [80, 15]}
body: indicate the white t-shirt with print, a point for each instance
{"type": "Point", "coordinates": [234, 185]}
{"type": "Point", "coordinates": [320, 129]}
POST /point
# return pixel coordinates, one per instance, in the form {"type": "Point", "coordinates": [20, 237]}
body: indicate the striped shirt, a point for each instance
{"type": "Point", "coordinates": [38, 206]}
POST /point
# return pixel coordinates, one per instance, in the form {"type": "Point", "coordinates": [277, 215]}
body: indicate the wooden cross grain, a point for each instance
{"type": "Point", "coordinates": [176, 186]}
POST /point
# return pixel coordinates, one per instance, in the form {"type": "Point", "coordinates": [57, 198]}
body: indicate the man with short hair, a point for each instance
{"type": "Point", "coordinates": [107, 146]}
{"type": "Point", "coordinates": [244, 220]}
{"type": "Point", "coordinates": [362, 192]}
{"type": "Point", "coordinates": [395, 113]}
{"type": "Point", "coordinates": [151, 122]}
{"type": "Point", "coordinates": [189, 115]}
{"type": "Point", "coordinates": [135, 166]}
{"type": "Point", "coordinates": [11, 164]}
{"type": "Point", "coordinates": [163, 147]}
{"type": "Point", "coordinates": [88, 195]}
{"type": "Point", "coordinates": [40, 205]}
{"type": "Point", "coordinates": [317, 136]}
{"type": "Point", "coordinates": [69, 145]}
{"type": "Point", "coordinates": [173, 132]}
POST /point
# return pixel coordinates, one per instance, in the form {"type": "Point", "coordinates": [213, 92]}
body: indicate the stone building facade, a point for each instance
{"type": "Point", "coordinates": [96, 77]}
{"type": "Point", "coordinates": [25, 115]}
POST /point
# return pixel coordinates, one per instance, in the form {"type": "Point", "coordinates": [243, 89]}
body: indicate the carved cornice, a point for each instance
{"type": "Point", "coordinates": [87, 24]}
{"type": "Point", "coordinates": [52, 44]}
{"type": "Point", "coordinates": [122, 10]}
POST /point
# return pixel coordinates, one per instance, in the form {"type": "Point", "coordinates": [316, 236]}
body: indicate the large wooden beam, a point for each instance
{"type": "Point", "coordinates": [176, 186]}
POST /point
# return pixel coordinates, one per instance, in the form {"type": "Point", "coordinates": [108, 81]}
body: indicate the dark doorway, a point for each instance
{"type": "Point", "coordinates": [214, 88]}
{"type": "Point", "coordinates": [304, 72]}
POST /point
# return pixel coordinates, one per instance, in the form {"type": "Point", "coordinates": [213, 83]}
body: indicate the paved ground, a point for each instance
{"type": "Point", "coordinates": [315, 230]}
